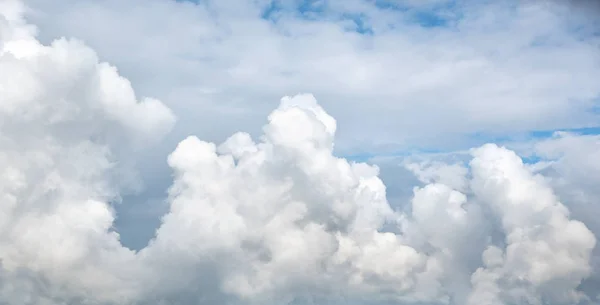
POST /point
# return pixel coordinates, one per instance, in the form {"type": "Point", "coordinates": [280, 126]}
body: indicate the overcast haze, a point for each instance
{"type": "Point", "coordinates": [299, 152]}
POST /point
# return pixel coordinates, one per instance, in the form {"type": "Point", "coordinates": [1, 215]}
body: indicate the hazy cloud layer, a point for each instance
{"type": "Point", "coordinates": [464, 67]}
{"type": "Point", "coordinates": [276, 217]}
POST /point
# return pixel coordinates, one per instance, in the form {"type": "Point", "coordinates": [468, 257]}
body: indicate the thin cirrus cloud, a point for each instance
{"type": "Point", "coordinates": [275, 215]}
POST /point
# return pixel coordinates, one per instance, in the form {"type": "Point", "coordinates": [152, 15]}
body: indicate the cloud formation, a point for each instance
{"type": "Point", "coordinates": [491, 67]}
{"type": "Point", "coordinates": [278, 219]}
{"type": "Point", "coordinates": [68, 123]}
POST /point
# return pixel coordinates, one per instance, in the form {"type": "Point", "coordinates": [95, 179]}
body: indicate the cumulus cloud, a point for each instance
{"type": "Point", "coordinates": [543, 250]}
{"type": "Point", "coordinates": [277, 219]}
{"type": "Point", "coordinates": [284, 220]}
{"type": "Point", "coordinates": [67, 124]}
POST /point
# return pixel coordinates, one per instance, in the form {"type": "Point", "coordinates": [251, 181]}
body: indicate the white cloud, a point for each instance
{"type": "Point", "coordinates": [499, 67]}
{"type": "Point", "coordinates": [284, 218]}
{"type": "Point", "coordinates": [453, 175]}
{"type": "Point", "coordinates": [278, 218]}
{"type": "Point", "coordinates": [67, 127]}
{"type": "Point", "coordinates": [544, 248]}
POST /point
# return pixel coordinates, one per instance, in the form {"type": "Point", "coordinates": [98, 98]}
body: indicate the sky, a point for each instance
{"type": "Point", "coordinates": [299, 152]}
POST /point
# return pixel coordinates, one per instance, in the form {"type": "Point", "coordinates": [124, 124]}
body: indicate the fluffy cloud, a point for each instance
{"type": "Point", "coordinates": [67, 124]}
{"type": "Point", "coordinates": [278, 219]}
{"type": "Point", "coordinates": [544, 249]}
{"type": "Point", "coordinates": [284, 220]}
{"type": "Point", "coordinates": [433, 75]}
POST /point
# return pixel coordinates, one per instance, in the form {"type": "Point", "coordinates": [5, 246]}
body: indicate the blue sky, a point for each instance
{"type": "Point", "coordinates": [419, 84]}
{"type": "Point", "coordinates": [428, 82]}
{"type": "Point", "coordinates": [144, 173]}
{"type": "Point", "coordinates": [445, 123]}
{"type": "Point", "coordinates": [431, 16]}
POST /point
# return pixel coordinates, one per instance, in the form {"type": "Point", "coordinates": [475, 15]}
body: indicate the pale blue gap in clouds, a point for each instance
{"type": "Point", "coordinates": [478, 139]}
{"type": "Point", "coordinates": [438, 15]}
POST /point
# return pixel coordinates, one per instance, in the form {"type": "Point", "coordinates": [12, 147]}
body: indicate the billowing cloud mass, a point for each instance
{"type": "Point", "coordinates": [67, 125]}
{"type": "Point", "coordinates": [278, 219]}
